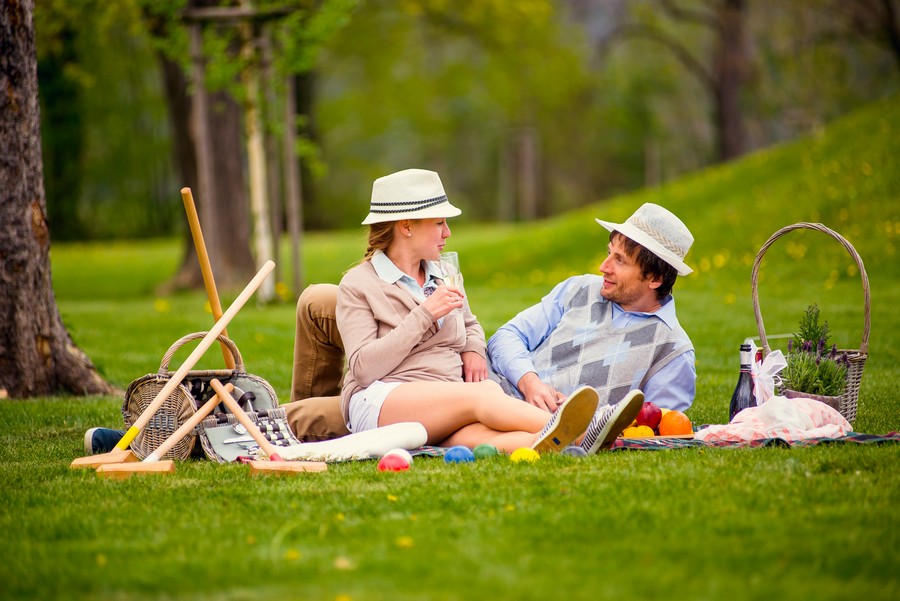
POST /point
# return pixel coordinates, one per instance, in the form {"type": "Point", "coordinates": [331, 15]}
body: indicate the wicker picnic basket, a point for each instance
{"type": "Point", "coordinates": [846, 403]}
{"type": "Point", "coordinates": [193, 391]}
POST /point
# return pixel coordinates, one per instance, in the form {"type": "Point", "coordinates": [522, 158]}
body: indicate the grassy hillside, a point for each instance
{"type": "Point", "coordinates": [691, 524]}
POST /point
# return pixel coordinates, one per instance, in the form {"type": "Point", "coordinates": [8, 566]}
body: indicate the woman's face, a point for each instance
{"type": "Point", "coordinates": [428, 237]}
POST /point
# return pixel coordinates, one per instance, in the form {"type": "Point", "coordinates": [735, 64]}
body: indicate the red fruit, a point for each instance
{"type": "Point", "coordinates": [649, 416]}
{"type": "Point", "coordinates": [392, 463]}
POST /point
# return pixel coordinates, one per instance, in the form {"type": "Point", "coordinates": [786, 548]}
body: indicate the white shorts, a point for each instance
{"type": "Point", "coordinates": [365, 405]}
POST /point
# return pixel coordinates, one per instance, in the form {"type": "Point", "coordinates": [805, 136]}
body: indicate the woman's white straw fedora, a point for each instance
{"type": "Point", "coordinates": [660, 232]}
{"type": "Point", "coordinates": [409, 194]}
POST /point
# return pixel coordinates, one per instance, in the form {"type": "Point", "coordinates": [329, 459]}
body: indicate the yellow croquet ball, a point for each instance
{"type": "Point", "coordinates": [524, 454]}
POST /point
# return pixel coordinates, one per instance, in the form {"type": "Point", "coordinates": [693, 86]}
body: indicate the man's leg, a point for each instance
{"type": "Point", "coordinates": [314, 412]}
{"type": "Point", "coordinates": [316, 418]}
{"type": "Point", "coordinates": [318, 348]}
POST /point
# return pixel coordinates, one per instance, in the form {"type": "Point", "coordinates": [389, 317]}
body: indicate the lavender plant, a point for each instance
{"type": "Point", "coordinates": [811, 366]}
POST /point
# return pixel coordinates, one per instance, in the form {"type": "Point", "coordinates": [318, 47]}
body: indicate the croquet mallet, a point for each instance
{"type": "Point", "coordinates": [209, 281]}
{"type": "Point", "coordinates": [276, 463]}
{"type": "Point", "coordinates": [153, 463]}
{"type": "Point", "coordinates": [121, 453]}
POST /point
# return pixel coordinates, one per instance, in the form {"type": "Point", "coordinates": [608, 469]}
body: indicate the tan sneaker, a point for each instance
{"type": "Point", "coordinates": [569, 421]}
{"type": "Point", "coordinates": [610, 421]}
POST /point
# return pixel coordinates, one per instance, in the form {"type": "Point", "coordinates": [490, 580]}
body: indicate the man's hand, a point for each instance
{"type": "Point", "coordinates": [539, 394]}
{"type": "Point", "coordinates": [474, 367]}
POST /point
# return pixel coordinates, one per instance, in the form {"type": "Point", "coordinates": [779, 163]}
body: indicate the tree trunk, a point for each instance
{"type": "Point", "coordinates": [730, 66]}
{"type": "Point", "coordinates": [256, 159]}
{"type": "Point", "coordinates": [293, 190]}
{"type": "Point", "coordinates": [214, 146]}
{"type": "Point", "coordinates": [305, 90]}
{"type": "Point", "coordinates": [37, 355]}
{"type": "Point", "coordinates": [528, 172]}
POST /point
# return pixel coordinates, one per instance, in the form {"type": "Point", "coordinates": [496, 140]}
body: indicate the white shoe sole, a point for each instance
{"type": "Point", "coordinates": [626, 410]}
{"type": "Point", "coordinates": [89, 441]}
{"type": "Point", "coordinates": [572, 419]}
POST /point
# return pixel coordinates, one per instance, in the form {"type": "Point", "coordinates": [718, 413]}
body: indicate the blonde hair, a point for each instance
{"type": "Point", "coordinates": [380, 237]}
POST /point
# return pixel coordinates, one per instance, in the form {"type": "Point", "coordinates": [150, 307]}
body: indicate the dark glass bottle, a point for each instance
{"type": "Point", "coordinates": [743, 396]}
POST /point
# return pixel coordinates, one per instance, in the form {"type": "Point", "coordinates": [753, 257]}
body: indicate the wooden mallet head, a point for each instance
{"type": "Point", "coordinates": [275, 464]}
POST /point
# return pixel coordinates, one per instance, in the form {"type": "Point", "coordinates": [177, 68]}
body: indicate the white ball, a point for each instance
{"type": "Point", "coordinates": [401, 453]}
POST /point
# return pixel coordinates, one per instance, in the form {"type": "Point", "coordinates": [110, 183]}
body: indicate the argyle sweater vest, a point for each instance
{"type": "Point", "coordinates": [587, 349]}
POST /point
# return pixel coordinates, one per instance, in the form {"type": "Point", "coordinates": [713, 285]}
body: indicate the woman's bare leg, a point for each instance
{"type": "Point", "coordinates": [445, 407]}
{"type": "Point", "coordinates": [475, 434]}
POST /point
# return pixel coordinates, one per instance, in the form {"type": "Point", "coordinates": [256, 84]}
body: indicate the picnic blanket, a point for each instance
{"type": "Point", "coordinates": [777, 422]}
{"type": "Point", "coordinates": [663, 443]}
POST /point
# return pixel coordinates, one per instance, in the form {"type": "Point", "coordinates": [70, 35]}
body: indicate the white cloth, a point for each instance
{"type": "Point", "coordinates": [780, 417]}
{"type": "Point", "coordinates": [364, 445]}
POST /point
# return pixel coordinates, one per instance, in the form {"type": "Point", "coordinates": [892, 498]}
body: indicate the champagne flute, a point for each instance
{"type": "Point", "coordinates": [450, 269]}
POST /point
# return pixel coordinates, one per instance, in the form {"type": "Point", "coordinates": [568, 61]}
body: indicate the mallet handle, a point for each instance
{"type": "Point", "coordinates": [186, 427]}
{"type": "Point", "coordinates": [252, 428]}
{"type": "Point", "coordinates": [209, 282]}
{"type": "Point", "coordinates": [194, 357]}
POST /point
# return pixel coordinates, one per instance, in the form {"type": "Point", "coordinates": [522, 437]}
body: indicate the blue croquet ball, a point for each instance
{"type": "Point", "coordinates": [459, 454]}
{"type": "Point", "coordinates": [483, 451]}
{"type": "Point", "coordinates": [574, 451]}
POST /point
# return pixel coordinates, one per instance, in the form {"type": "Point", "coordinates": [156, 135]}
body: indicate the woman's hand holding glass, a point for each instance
{"type": "Point", "coordinates": [444, 300]}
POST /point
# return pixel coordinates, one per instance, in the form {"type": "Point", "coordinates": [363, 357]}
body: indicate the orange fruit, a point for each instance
{"type": "Point", "coordinates": [675, 422]}
{"type": "Point", "coordinates": [638, 432]}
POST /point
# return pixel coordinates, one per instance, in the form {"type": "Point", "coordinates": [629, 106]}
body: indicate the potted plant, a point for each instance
{"type": "Point", "coordinates": [813, 369]}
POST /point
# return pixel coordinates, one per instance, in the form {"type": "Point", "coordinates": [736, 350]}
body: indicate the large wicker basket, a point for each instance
{"type": "Point", "coordinates": [182, 403]}
{"type": "Point", "coordinates": [847, 402]}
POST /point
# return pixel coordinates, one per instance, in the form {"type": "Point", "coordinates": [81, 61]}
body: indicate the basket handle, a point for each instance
{"type": "Point", "coordinates": [238, 360]}
{"type": "Point", "coordinates": [754, 279]}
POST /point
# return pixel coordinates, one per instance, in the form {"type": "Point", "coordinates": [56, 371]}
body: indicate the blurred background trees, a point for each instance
{"type": "Point", "coordinates": [525, 108]}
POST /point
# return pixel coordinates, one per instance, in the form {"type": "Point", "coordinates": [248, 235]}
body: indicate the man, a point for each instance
{"type": "Point", "coordinates": [617, 333]}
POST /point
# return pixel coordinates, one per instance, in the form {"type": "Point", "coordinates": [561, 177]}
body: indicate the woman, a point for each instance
{"type": "Point", "coordinates": [415, 351]}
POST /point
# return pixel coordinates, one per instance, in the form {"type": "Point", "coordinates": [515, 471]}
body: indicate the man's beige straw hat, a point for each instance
{"type": "Point", "coordinates": [660, 232]}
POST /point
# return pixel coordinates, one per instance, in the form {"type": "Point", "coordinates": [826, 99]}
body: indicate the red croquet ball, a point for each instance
{"type": "Point", "coordinates": [649, 416]}
{"type": "Point", "coordinates": [392, 463]}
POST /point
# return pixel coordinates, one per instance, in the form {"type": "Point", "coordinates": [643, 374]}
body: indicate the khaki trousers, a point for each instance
{"type": "Point", "coordinates": [314, 412]}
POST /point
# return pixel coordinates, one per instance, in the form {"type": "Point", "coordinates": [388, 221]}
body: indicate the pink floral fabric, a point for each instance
{"type": "Point", "coordinates": [780, 417]}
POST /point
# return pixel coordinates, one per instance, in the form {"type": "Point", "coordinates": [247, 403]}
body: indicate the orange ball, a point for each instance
{"type": "Point", "coordinates": [674, 423]}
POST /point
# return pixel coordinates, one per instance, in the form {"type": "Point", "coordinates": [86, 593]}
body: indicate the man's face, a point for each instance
{"type": "Point", "coordinates": [623, 281]}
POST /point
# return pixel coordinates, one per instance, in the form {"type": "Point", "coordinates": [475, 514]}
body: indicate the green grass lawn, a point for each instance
{"type": "Point", "coordinates": [691, 524]}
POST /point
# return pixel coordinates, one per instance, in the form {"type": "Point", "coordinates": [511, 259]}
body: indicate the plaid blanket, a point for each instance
{"type": "Point", "coordinates": [661, 444]}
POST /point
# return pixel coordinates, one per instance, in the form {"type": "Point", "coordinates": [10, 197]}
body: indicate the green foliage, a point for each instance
{"type": "Point", "coordinates": [815, 374]}
{"type": "Point", "coordinates": [810, 367]}
{"type": "Point", "coordinates": [451, 86]}
{"type": "Point", "coordinates": [104, 128]}
{"type": "Point", "coordinates": [809, 330]}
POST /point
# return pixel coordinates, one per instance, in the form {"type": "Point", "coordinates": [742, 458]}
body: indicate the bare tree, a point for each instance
{"type": "Point", "coordinates": [876, 21]}
{"type": "Point", "coordinates": [208, 153]}
{"type": "Point", "coordinates": [37, 355]}
{"type": "Point", "coordinates": [722, 74]}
